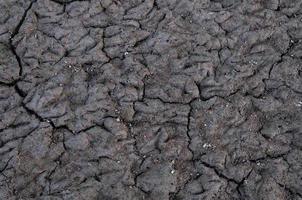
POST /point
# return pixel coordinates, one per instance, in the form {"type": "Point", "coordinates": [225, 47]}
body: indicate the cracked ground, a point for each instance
{"type": "Point", "coordinates": [151, 99]}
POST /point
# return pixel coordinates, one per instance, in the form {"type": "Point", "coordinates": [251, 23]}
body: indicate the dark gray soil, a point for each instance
{"type": "Point", "coordinates": [151, 99]}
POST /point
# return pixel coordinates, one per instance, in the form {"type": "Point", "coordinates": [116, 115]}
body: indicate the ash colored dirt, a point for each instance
{"type": "Point", "coordinates": [151, 99]}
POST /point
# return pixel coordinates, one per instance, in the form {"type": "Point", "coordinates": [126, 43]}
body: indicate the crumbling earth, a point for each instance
{"type": "Point", "coordinates": [151, 99]}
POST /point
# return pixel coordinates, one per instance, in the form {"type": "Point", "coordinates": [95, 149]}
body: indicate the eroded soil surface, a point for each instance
{"type": "Point", "coordinates": [151, 99]}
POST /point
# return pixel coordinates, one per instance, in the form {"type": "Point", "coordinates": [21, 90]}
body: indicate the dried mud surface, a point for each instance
{"type": "Point", "coordinates": [151, 99]}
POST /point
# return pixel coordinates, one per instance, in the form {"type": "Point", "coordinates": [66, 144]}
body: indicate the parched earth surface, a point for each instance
{"type": "Point", "coordinates": [151, 99]}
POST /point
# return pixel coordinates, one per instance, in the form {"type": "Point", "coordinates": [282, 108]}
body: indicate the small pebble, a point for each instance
{"type": "Point", "coordinates": [299, 104]}
{"type": "Point", "coordinates": [205, 145]}
{"type": "Point", "coordinates": [253, 62]}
